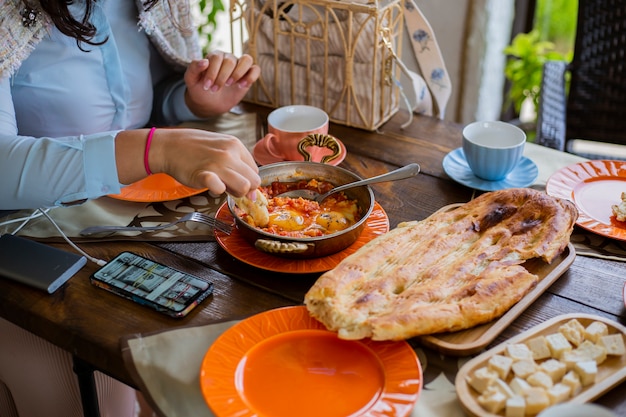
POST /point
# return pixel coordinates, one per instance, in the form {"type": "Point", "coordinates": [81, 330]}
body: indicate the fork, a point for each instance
{"type": "Point", "coordinates": [191, 217]}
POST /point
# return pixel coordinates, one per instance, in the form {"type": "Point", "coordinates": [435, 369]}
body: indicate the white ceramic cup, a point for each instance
{"type": "Point", "coordinates": [576, 410]}
{"type": "Point", "coordinates": [288, 125]}
{"type": "Point", "coordinates": [493, 148]}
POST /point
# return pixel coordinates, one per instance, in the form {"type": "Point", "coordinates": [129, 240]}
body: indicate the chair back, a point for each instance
{"type": "Point", "coordinates": [595, 107]}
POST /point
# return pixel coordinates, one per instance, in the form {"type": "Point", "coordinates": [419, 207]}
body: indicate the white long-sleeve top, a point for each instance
{"type": "Point", "coordinates": [61, 110]}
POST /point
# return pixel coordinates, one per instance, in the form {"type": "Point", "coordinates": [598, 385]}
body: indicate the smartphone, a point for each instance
{"type": "Point", "coordinates": [152, 284]}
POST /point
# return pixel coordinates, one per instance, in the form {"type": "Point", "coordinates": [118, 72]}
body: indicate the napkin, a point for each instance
{"type": "Point", "coordinates": [110, 211]}
{"type": "Point", "coordinates": [166, 368]}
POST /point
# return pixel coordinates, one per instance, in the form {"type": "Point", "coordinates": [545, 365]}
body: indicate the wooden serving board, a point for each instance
{"type": "Point", "coordinates": [471, 341]}
{"type": "Point", "coordinates": [610, 373]}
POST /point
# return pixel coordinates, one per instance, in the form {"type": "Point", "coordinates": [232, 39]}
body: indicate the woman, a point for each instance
{"type": "Point", "coordinates": [81, 85]}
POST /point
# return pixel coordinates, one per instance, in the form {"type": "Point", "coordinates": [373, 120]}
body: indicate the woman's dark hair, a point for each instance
{"type": "Point", "coordinates": [83, 31]}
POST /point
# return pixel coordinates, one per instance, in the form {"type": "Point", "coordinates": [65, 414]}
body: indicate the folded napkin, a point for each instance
{"type": "Point", "coordinates": [548, 161]}
{"type": "Point", "coordinates": [166, 368]}
{"type": "Point", "coordinates": [107, 211]}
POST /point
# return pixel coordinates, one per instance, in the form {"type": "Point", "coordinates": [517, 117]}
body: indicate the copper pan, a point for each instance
{"type": "Point", "coordinates": [311, 247]}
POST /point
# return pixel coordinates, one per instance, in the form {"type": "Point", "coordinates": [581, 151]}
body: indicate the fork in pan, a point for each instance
{"type": "Point", "coordinates": [191, 217]}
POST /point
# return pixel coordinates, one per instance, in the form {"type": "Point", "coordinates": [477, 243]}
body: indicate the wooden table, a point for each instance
{"type": "Point", "coordinates": [89, 322]}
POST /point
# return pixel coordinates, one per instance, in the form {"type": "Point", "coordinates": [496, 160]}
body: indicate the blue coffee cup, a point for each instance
{"type": "Point", "coordinates": [493, 148]}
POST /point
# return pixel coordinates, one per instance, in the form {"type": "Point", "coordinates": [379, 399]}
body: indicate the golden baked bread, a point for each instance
{"type": "Point", "coordinates": [452, 271]}
{"type": "Point", "coordinates": [257, 209]}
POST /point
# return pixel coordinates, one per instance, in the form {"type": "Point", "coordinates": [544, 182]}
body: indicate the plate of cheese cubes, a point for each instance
{"type": "Point", "coordinates": [570, 358]}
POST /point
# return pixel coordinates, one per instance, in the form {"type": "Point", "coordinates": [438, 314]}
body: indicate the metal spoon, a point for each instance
{"type": "Point", "coordinates": [398, 174]}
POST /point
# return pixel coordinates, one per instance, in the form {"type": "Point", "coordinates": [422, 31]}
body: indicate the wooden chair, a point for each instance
{"type": "Point", "coordinates": [594, 108]}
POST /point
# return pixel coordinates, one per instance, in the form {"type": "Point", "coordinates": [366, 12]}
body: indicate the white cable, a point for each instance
{"type": "Point", "coordinates": [100, 262]}
{"type": "Point", "coordinates": [25, 220]}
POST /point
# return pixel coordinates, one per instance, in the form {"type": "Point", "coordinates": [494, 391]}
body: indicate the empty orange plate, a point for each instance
{"type": "Point", "coordinates": [284, 363]}
{"type": "Point", "coordinates": [157, 187]}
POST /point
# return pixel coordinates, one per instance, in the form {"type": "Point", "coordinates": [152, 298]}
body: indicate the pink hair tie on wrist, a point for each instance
{"type": "Point", "coordinates": [147, 151]}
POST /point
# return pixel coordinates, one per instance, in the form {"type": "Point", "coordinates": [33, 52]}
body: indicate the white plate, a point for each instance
{"type": "Point", "coordinates": [455, 165]}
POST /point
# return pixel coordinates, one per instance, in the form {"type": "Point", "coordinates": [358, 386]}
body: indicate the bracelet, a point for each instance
{"type": "Point", "coordinates": [147, 151]}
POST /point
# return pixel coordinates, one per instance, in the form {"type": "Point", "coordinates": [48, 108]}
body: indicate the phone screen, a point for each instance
{"type": "Point", "coordinates": [147, 282]}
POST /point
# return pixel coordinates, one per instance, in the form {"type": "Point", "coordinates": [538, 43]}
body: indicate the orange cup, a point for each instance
{"type": "Point", "coordinates": [288, 125]}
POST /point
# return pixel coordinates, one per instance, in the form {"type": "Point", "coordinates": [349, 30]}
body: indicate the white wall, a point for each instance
{"type": "Point", "coordinates": [472, 35]}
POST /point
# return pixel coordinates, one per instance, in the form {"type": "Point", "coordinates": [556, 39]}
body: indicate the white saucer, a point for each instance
{"type": "Point", "coordinates": [263, 157]}
{"type": "Point", "coordinates": [455, 165]}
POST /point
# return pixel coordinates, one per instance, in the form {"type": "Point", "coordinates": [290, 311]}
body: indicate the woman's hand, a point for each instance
{"type": "Point", "coordinates": [218, 82]}
{"type": "Point", "coordinates": [195, 158]}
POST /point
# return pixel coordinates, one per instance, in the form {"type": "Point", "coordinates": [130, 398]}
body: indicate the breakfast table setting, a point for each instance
{"type": "Point", "coordinates": [173, 361]}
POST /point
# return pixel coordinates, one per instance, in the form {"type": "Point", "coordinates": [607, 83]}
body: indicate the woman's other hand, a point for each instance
{"type": "Point", "coordinates": [219, 82]}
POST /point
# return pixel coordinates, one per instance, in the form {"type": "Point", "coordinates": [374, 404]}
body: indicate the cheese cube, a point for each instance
{"type": "Point", "coordinates": [571, 358]}
{"type": "Point", "coordinates": [595, 352]}
{"type": "Point", "coordinates": [558, 345]}
{"type": "Point", "coordinates": [518, 351]}
{"type": "Point", "coordinates": [536, 400]}
{"type": "Point", "coordinates": [573, 331]}
{"type": "Point", "coordinates": [515, 407]}
{"type": "Point", "coordinates": [595, 330]}
{"type": "Point", "coordinates": [540, 379]}
{"type": "Point", "coordinates": [572, 380]}
{"type": "Point", "coordinates": [613, 343]}
{"type": "Point", "coordinates": [587, 372]}
{"type": "Point", "coordinates": [539, 347]}
{"type": "Point", "coordinates": [524, 368]}
{"type": "Point", "coordinates": [482, 378]}
{"type": "Point", "coordinates": [559, 393]}
{"type": "Point", "coordinates": [556, 369]}
{"type": "Point", "coordinates": [520, 386]}
{"type": "Point", "coordinates": [501, 365]}
{"type": "Point", "coordinates": [503, 387]}
{"type": "Point", "coordinates": [492, 400]}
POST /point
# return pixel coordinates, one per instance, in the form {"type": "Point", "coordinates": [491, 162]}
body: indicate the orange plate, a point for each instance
{"type": "Point", "coordinates": [283, 363]}
{"type": "Point", "coordinates": [157, 187]}
{"type": "Point", "coordinates": [377, 224]}
{"type": "Point", "coordinates": [593, 186]}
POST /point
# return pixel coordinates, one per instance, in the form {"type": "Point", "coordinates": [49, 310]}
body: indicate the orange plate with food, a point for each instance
{"type": "Point", "coordinates": [235, 244]}
{"type": "Point", "coordinates": [594, 186]}
{"type": "Point", "coordinates": [154, 188]}
{"type": "Point", "coordinates": [609, 373]}
{"type": "Point", "coordinates": [283, 363]}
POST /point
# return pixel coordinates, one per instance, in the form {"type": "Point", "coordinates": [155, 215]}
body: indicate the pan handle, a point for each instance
{"type": "Point", "coordinates": [283, 248]}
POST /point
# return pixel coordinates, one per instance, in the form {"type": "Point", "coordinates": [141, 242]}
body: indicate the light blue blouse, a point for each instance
{"type": "Point", "coordinates": [60, 112]}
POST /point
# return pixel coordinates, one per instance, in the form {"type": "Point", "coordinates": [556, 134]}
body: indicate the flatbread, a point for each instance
{"type": "Point", "coordinates": [257, 209]}
{"type": "Point", "coordinates": [451, 271]}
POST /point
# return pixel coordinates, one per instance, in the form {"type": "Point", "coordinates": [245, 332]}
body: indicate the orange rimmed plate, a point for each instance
{"type": "Point", "coordinates": [593, 186]}
{"type": "Point", "coordinates": [284, 363]}
{"type": "Point", "coordinates": [154, 188]}
{"type": "Point", "coordinates": [235, 244]}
